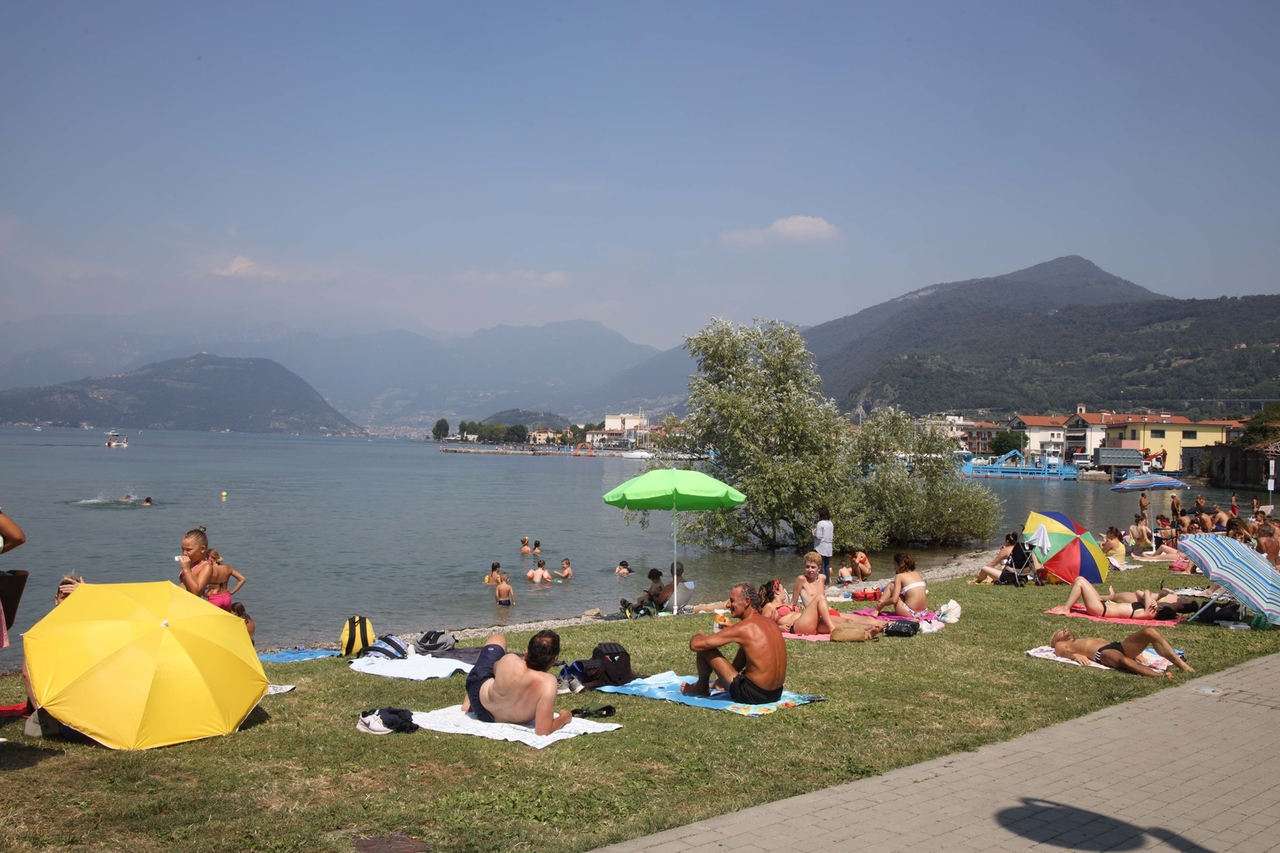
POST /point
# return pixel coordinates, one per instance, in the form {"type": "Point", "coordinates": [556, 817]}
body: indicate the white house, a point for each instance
{"type": "Point", "coordinates": [1044, 432]}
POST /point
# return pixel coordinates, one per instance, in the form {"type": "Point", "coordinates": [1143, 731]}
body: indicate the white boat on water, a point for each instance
{"type": "Point", "coordinates": [637, 454]}
{"type": "Point", "coordinates": [118, 443]}
{"type": "Point", "coordinates": [39, 429]}
{"type": "Point", "coordinates": [111, 434]}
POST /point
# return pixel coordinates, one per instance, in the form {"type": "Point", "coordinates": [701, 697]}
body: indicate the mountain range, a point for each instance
{"type": "Point", "coordinates": [1038, 339]}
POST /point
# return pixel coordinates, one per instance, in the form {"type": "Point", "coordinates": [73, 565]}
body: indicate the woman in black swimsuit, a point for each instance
{"type": "Point", "coordinates": [1144, 607]}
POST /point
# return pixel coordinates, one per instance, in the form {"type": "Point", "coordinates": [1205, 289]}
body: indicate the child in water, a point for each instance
{"type": "Point", "coordinates": [565, 572]}
{"type": "Point", "coordinates": [503, 593]}
{"type": "Point", "coordinates": [540, 574]}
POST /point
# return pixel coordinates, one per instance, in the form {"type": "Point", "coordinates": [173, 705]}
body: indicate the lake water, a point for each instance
{"type": "Point", "coordinates": [395, 530]}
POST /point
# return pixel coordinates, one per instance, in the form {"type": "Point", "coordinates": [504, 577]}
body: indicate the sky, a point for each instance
{"type": "Point", "coordinates": [449, 167]}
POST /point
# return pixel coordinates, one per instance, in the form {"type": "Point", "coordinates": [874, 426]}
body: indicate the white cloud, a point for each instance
{"type": "Point", "coordinates": [789, 229]}
{"type": "Point", "coordinates": [515, 279]}
{"type": "Point", "coordinates": [242, 267]}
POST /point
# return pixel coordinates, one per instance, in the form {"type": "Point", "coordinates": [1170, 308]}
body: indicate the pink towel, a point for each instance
{"type": "Point", "coordinates": [1079, 611]}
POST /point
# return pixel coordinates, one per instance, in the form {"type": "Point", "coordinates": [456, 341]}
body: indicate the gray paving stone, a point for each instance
{"type": "Point", "coordinates": [1046, 789]}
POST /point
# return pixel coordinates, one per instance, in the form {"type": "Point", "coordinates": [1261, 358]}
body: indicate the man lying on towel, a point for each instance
{"type": "Point", "coordinates": [1122, 655]}
{"type": "Point", "coordinates": [756, 674]}
{"type": "Point", "coordinates": [505, 688]}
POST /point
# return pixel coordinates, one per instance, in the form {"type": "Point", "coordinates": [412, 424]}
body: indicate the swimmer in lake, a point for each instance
{"type": "Point", "coordinates": [495, 575]}
{"type": "Point", "coordinates": [524, 545]}
{"type": "Point", "coordinates": [147, 502]}
{"type": "Point", "coordinates": [565, 571]}
{"type": "Point", "coordinates": [537, 546]}
{"type": "Point", "coordinates": [540, 574]}
{"type": "Point", "coordinates": [623, 569]}
{"type": "Point", "coordinates": [503, 594]}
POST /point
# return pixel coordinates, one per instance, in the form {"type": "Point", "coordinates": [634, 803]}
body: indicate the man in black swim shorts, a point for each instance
{"type": "Point", "coordinates": [506, 688]}
{"type": "Point", "coordinates": [756, 674]}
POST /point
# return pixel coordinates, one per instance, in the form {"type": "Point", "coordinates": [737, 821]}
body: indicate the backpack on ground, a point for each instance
{"type": "Point", "coordinates": [386, 646]}
{"type": "Point", "coordinates": [610, 663]}
{"type": "Point", "coordinates": [356, 634]}
{"type": "Point", "coordinates": [434, 641]}
{"type": "Point", "coordinates": [901, 628]}
{"type": "Point", "coordinates": [1220, 611]}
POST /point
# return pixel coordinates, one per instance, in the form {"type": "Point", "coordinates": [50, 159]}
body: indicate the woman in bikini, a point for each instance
{"type": "Point", "coordinates": [216, 590]}
{"type": "Point", "coordinates": [907, 594]}
{"type": "Point", "coordinates": [524, 545]}
{"type": "Point", "coordinates": [810, 585]}
{"type": "Point", "coordinates": [1143, 607]}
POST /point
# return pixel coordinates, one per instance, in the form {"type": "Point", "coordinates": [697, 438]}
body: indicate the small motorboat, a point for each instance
{"type": "Point", "coordinates": [118, 443]}
{"type": "Point", "coordinates": [39, 429]}
{"type": "Point", "coordinates": [111, 434]}
{"type": "Point", "coordinates": [637, 454]}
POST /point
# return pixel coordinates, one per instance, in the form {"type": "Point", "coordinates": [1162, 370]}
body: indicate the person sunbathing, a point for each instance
{"type": "Point", "coordinates": [1121, 656]}
{"type": "Point", "coordinates": [756, 674]}
{"type": "Point", "coordinates": [810, 585]}
{"type": "Point", "coordinates": [1144, 607]}
{"type": "Point", "coordinates": [1164, 598]}
{"type": "Point", "coordinates": [1139, 533]}
{"type": "Point", "coordinates": [817, 618]}
{"type": "Point", "coordinates": [505, 688]}
{"type": "Point", "coordinates": [907, 595]}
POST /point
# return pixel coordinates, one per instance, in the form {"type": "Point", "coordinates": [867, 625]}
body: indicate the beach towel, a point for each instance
{"type": "Point", "coordinates": [299, 654]}
{"type": "Point", "coordinates": [17, 710]}
{"type": "Point", "coordinates": [1147, 658]}
{"type": "Point", "coordinates": [1193, 591]}
{"type": "Point", "coordinates": [452, 720]}
{"type": "Point", "coordinates": [666, 685]}
{"type": "Point", "coordinates": [1079, 611]}
{"type": "Point", "coordinates": [416, 667]}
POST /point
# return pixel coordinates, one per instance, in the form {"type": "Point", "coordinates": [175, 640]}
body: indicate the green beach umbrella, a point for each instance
{"type": "Point", "coordinates": [675, 490]}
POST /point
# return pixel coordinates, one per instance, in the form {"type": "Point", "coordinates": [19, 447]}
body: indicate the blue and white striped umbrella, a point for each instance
{"type": "Point", "coordinates": [1138, 482]}
{"type": "Point", "coordinates": [1242, 571]}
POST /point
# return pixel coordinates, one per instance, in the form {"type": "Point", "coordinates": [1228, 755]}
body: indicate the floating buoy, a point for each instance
{"type": "Point", "coordinates": [224, 497]}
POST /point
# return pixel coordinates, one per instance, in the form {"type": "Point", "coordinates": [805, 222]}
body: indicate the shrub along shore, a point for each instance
{"type": "Point", "coordinates": [300, 777]}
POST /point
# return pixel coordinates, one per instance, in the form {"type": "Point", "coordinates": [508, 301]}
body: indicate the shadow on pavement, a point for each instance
{"type": "Point", "coordinates": [1062, 825]}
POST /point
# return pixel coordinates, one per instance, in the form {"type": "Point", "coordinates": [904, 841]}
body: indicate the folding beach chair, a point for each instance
{"type": "Point", "coordinates": [1020, 567]}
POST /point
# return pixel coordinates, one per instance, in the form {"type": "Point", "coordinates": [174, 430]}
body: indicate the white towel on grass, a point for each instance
{"type": "Point", "coordinates": [416, 667]}
{"type": "Point", "coordinates": [453, 721]}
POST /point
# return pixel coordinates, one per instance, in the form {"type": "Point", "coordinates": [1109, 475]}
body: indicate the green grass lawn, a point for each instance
{"type": "Point", "coordinates": [304, 771]}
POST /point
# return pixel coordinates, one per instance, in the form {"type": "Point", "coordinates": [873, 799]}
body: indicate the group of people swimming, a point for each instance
{"type": "Point", "coordinates": [504, 594]}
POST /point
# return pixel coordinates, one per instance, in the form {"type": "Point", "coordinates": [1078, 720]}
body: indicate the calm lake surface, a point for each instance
{"type": "Point", "coordinates": [395, 530]}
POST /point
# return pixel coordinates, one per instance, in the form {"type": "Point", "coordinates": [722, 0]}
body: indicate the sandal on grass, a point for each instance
{"type": "Point", "coordinates": [595, 711]}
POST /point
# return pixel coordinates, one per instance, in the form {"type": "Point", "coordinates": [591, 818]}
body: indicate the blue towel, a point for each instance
{"type": "Point", "coordinates": [292, 655]}
{"type": "Point", "coordinates": [666, 685]}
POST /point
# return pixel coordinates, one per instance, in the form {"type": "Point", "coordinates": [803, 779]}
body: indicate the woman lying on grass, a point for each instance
{"type": "Point", "coordinates": [1122, 655]}
{"type": "Point", "coordinates": [1144, 605]}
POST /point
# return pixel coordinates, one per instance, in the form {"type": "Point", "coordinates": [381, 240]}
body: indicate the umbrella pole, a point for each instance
{"type": "Point", "coordinates": [675, 554]}
{"type": "Point", "coordinates": [1152, 530]}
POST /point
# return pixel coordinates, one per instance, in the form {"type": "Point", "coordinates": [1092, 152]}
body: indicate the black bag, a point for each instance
{"type": "Point", "coordinates": [434, 641]}
{"type": "Point", "coordinates": [1008, 577]}
{"type": "Point", "coordinates": [387, 646]}
{"type": "Point", "coordinates": [11, 585]}
{"type": "Point", "coordinates": [1219, 612]}
{"type": "Point", "coordinates": [609, 664]}
{"type": "Point", "coordinates": [901, 628]}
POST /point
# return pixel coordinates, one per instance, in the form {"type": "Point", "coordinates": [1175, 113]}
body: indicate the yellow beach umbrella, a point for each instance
{"type": "Point", "coordinates": [137, 665]}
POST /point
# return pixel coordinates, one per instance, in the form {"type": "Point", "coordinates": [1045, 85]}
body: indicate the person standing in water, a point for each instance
{"type": "Point", "coordinates": [503, 594]}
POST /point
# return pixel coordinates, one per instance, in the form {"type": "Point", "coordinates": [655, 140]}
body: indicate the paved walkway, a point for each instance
{"type": "Point", "coordinates": [1054, 789]}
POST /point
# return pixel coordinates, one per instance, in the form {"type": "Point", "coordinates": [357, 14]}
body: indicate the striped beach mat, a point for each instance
{"type": "Point", "coordinates": [1240, 570]}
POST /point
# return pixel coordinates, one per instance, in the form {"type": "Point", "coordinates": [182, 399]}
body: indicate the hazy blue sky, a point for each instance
{"type": "Point", "coordinates": [645, 165]}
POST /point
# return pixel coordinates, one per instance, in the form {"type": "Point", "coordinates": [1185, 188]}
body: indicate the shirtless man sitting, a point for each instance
{"type": "Point", "coordinates": [1122, 655]}
{"type": "Point", "coordinates": [756, 674]}
{"type": "Point", "coordinates": [1268, 544]}
{"type": "Point", "coordinates": [505, 688]}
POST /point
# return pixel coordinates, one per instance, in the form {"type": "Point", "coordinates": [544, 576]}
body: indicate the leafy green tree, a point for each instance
{"type": "Point", "coordinates": [1262, 428]}
{"type": "Point", "coordinates": [758, 421]}
{"type": "Point", "coordinates": [758, 417]}
{"type": "Point", "coordinates": [908, 476]}
{"type": "Point", "coordinates": [1009, 440]}
{"type": "Point", "coordinates": [440, 430]}
{"type": "Point", "coordinates": [516, 434]}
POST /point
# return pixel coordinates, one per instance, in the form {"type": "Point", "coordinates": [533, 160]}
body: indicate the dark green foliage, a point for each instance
{"type": "Point", "coordinates": [1008, 440]}
{"type": "Point", "coordinates": [440, 430]}
{"type": "Point", "coordinates": [203, 392]}
{"type": "Point", "coordinates": [1262, 428]}
{"type": "Point", "coordinates": [516, 434]}
{"type": "Point", "coordinates": [962, 350]}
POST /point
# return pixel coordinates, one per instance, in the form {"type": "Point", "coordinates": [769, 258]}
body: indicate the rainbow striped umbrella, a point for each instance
{"type": "Point", "coordinates": [1065, 549]}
